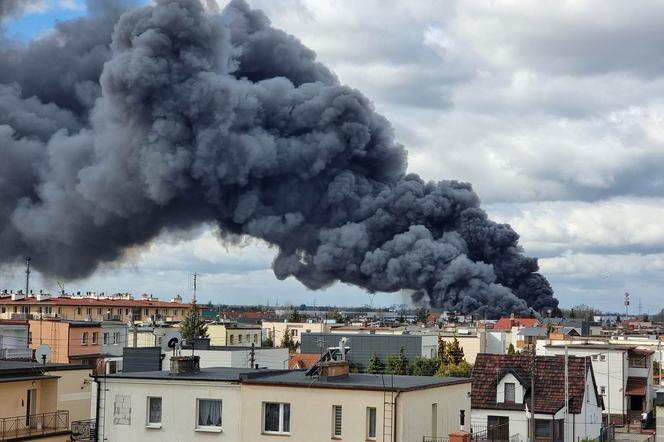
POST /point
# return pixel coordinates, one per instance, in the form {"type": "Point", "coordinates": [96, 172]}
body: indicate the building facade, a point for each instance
{"type": "Point", "coordinates": [69, 341]}
{"type": "Point", "coordinates": [14, 338]}
{"type": "Point", "coordinates": [235, 335]}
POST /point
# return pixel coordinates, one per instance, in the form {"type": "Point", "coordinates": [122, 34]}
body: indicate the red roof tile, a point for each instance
{"type": "Point", "coordinates": [506, 324]}
{"type": "Point", "coordinates": [302, 360]}
{"type": "Point", "coordinates": [549, 381]}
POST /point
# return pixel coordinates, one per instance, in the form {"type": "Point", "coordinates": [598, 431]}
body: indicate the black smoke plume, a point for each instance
{"type": "Point", "coordinates": [119, 126]}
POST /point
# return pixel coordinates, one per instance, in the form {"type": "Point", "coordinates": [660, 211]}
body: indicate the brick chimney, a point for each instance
{"type": "Point", "coordinates": [334, 369]}
{"type": "Point", "coordinates": [185, 364]}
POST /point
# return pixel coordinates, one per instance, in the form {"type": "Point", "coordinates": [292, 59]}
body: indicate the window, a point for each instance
{"type": "Point", "coordinates": [510, 389]}
{"type": "Point", "coordinates": [248, 338]}
{"type": "Point", "coordinates": [602, 358]}
{"type": "Point", "coordinates": [99, 311]}
{"type": "Point", "coordinates": [59, 310]}
{"type": "Point", "coordinates": [84, 338]}
{"type": "Point", "coordinates": [145, 312]}
{"type": "Point", "coordinates": [294, 332]}
{"type": "Point", "coordinates": [105, 338]}
{"type": "Point", "coordinates": [89, 310]}
{"type": "Point", "coordinates": [209, 414]}
{"type": "Point", "coordinates": [78, 310]}
{"type": "Point", "coordinates": [337, 413]}
{"type": "Point", "coordinates": [594, 357]}
{"type": "Point", "coordinates": [637, 361]}
{"type": "Point", "coordinates": [29, 337]}
{"type": "Point", "coordinates": [255, 339]}
{"type": "Point", "coordinates": [239, 339]}
{"type": "Point", "coordinates": [276, 418]}
{"type": "Point", "coordinates": [119, 312]}
{"type": "Point", "coordinates": [126, 312]}
{"type": "Point", "coordinates": [371, 423]}
{"type": "Point", "coordinates": [232, 339]}
{"type": "Point", "coordinates": [154, 412]}
{"type": "Point", "coordinates": [94, 338]}
{"type": "Point", "coordinates": [112, 367]}
{"type": "Point", "coordinates": [602, 390]}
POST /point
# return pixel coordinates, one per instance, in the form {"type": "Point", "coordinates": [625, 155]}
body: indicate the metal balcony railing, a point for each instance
{"type": "Point", "coordinates": [21, 427]}
{"type": "Point", "coordinates": [83, 431]}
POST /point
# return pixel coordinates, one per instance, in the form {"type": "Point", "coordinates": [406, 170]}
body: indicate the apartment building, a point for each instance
{"type": "Point", "coordinates": [91, 307]}
{"type": "Point", "coordinates": [70, 341]}
{"type": "Point", "coordinates": [264, 405]}
{"type": "Point", "coordinates": [624, 375]}
{"type": "Point", "coordinates": [276, 330]}
{"type": "Point", "coordinates": [234, 335]}
{"type": "Point", "coordinates": [42, 401]}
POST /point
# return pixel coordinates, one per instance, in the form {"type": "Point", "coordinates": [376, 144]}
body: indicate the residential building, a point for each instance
{"type": "Point", "coordinates": [659, 413]}
{"type": "Point", "coordinates": [623, 373]}
{"type": "Point", "coordinates": [502, 394]}
{"type": "Point", "coordinates": [234, 404]}
{"type": "Point", "coordinates": [40, 401]}
{"type": "Point", "coordinates": [237, 357]}
{"type": "Point", "coordinates": [276, 330]}
{"type": "Point", "coordinates": [232, 334]}
{"type": "Point", "coordinates": [91, 307]}
{"type": "Point", "coordinates": [70, 341]}
{"type": "Point", "coordinates": [524, 338]}
{"type": "Point", "coordinates": [14, 338]}
{"type": "Point", "coordinates": [506, 324]}
{"type": "Point", "coordinates": [149, 336]}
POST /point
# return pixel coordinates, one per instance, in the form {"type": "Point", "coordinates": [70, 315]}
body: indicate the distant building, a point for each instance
{"type": "Point", "coordinates": [91, 306]}
{"type": "Point", "coordinates": [659, 412]}
{"type": "Point", "coordinates": [501, 398]}
{"type": "Point", "coordinates": [624, 375]}
{"type": "Point", "coordinates": [526, 337]}
{"type": "Point", "coordinates": [70, 341]}
{"type": "Point", "coordinates": [276, 330]}
{"type": "Point", "coordinates": [14, 340]}
{"type": "Point", "coordinates": [230, 335]}
{"type": "Point", "coordinates": [506, 324]}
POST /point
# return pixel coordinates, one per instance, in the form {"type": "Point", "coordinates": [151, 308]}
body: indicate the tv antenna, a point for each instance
{"type": "Point", "coordinates": [61, 285]}
{"type": "Point", "coordinates": [43, 354]}
{"type": "Point", "coordinates": [27, 276]}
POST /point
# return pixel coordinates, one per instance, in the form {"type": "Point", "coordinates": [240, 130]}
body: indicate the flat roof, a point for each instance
{"type": "Point", "coordinates": [298, 378]}
{"type": "Point", "coordinates": [356, 381]}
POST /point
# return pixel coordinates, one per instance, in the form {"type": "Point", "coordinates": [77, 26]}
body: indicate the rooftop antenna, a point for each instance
{"type": "Point", "coordinates": [27, 276]}
{"type": "Point", "coordinates": [62, 287]}
{"type": "Point", "coordinates": [626, 304]}
{"type": "Point", "coordinates": [371, 299]}
{"type": "Point", "coordinates": [43, 354]}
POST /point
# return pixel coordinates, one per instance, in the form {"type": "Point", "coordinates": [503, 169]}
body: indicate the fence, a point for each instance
{"type": "Point", "coordinates": [435, 439]}
{"type": "Point", "coordinates": [490, 433]}
{"type": "Point", "coordinates": [84, 430]}
{"type": "Point", "coordinates": [33, 424]}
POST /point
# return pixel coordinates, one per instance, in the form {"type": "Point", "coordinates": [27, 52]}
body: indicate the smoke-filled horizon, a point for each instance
{"type": "Point", "coordinates": [128, 123]}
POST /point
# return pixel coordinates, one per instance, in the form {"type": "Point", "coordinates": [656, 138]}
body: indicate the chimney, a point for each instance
{"type": "Point", "coordinates": [334, 369]}
{"type": "Point", "coordinates": [185, 364]}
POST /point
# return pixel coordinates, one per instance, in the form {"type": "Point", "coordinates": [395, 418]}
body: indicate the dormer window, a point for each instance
{"type": "Point", "coordinates": [510, 392]}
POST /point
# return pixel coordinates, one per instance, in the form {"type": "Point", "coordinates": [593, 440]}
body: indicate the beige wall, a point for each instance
{"type": "Point", "coordinates": [231, 336]}
{"type": "Point", "coordinates": [14, 397]}
{"type": "Point", "coordinates": [74, 392]}
{"type": "Point", "coordinates": [311, 411]}
{"type": "Point", "coordinates": [472, 345]}
{"type": "Point", "coordinates": [278, 329]}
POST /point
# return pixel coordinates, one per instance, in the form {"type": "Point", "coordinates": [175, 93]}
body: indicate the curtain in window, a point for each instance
{"type": "Point", "coordinates": [209, 413]}
{"type": "Point", "coordinates": [271, 417]}
{"type": "Point", "coordinates": [155, 410]}
{"type": "Point", "coordinates": [286, 418]}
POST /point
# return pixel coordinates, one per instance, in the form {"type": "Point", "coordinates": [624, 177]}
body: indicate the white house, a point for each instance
{"type": "Point", "coordinates": [623, 374]}
{"type": "Point", "coordinates": [501, 398]}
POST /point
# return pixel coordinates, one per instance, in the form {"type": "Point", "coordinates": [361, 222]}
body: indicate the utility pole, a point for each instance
{"type": "Point", "coordinates": [532, 395]}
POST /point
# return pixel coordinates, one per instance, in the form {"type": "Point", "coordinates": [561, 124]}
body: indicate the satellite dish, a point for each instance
{"type": "Point", "coordinates": [172, 341]}
{"type": "Point", "coordinates": [43, 354]}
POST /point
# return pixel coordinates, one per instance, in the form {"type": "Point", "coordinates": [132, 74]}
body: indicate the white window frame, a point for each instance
{"type": "Point", "coordinates": [105, 337]}
{"type": "Point", "coordinates": [337, 421]}
{"type": "Point", "coordinates": [210, 428]}
{"type": "Point", "coordinates": [281, 418]}
{"type": "Point", "coordinates": [94, 338]}
{"type": "Point", "coordinates": [149, 424]}
{"type": "Point", "coordinates": [84, 338]}
{"type": "Point", "coordinates": [375, 428]}
{"type": "Point", "coordinates": [513, 387]}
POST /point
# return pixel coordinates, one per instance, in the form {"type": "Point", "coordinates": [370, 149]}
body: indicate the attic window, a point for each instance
{"type": "Point", "coordinates": [510, 389]}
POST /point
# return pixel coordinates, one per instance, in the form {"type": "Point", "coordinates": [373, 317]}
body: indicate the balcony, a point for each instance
{"type": "Point", "coordinates": [34, 425]}
{"type": "Point", "coordinates": [84, 431]}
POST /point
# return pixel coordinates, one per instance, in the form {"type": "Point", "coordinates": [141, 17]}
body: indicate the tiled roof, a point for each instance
{"type": "Point", "coordinates": [549, 381]}
{"type": "Point", "coordinates": [636, 386]}
{"type": "Point", "coordinates": [302, 360]}
{"type": "Point", "coordinates": [506, 324]}
{"type": "Point", "coordinates": [91, 302]}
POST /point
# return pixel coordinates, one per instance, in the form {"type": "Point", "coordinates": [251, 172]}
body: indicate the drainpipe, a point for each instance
{"type": "Point", "coordinates": [98, 407]}
{"type": "Point", "coordinates": [396, 434]}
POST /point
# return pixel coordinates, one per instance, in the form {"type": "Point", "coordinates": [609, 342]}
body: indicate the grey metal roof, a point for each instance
{"type": "Point", "coordinates": [223, 374]}
{"type": "Point", "coordinates": [533, 331]}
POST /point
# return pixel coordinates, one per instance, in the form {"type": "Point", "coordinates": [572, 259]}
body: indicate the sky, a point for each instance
{"type": "Point", "coordinates": [551, 110]}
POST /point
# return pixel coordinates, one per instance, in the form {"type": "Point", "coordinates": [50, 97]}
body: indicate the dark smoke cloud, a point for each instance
{"type": "Point", "coordinates": [9, 8]}
{"type": "Point", "coordinates": [195, 116]}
